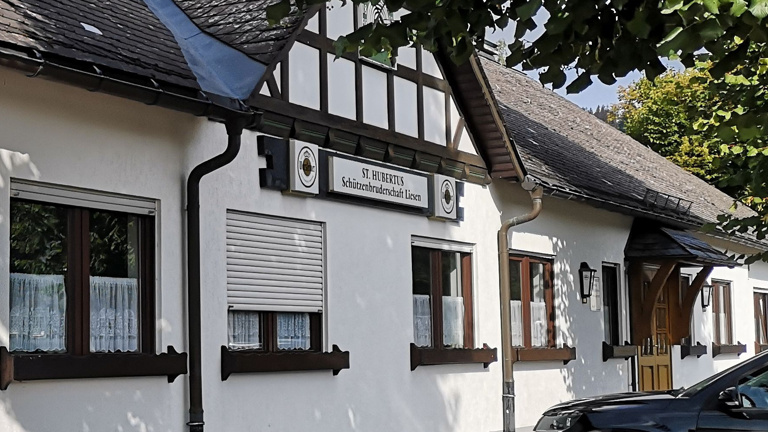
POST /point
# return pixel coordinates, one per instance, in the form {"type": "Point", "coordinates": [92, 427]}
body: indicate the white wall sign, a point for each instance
{"type": "Point", "coordinates": [446, 200]}
{"type": "Point", "coordinates": [364, 180]}
{"type": "Point", "coordinates": [304, 174]}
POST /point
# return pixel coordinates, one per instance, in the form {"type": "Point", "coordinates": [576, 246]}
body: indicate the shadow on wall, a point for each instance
{"type": "Point", "coordinates": [576, 324]}
{"type": "Point", "coordinates": [580, 327]}
{"type": "Point", "coordinates": [380, 391]}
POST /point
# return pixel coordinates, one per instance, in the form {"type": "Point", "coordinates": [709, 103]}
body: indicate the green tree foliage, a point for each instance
{"type": "Point", "coordinates": [737, 121]}
{"type": "Point", "coordinates": [660, 113]}
{"type": "Point", "coordinates": [596, 38]}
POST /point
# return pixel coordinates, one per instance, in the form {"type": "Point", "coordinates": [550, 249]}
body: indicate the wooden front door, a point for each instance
{"type": "Point", "coordinates": [654, 360]}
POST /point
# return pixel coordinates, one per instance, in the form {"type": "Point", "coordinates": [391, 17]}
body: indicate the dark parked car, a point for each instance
{"type": "Point", "coordinates": [733, 400]}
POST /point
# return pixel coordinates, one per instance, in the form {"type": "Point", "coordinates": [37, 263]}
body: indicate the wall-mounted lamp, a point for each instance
{"type": "Point", "coordinates": [706, 296]}
{"type": "Point", "coordinates": [587, 281]}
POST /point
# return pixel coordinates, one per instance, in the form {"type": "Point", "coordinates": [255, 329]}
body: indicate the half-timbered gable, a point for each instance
{"type": "Point", "coordinates": [406, 111]}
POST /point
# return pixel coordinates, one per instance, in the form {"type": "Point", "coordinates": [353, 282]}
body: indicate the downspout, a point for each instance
{"type": "Point", "coordinates": [235, 128]}
{"type": "Point", "coordinates": [508, 390]}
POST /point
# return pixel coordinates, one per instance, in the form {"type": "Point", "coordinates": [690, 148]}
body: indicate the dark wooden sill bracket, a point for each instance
{"type": "Point", "coordinates": [30, 366]}
{"type": "Point", "coordinates": [686, 349]}
{"type": "Point", "coordinates": [760, 348]}
{"type": "Point", "coordinates": [564, 354]}
{"type": "Point", "coordinates": [246, 361]}
{"type": "Point", "coordinates": [625, 351]}
{"type": "Point", "coordinates": [737, 349]}
{"type": "Point", "coordinates": [421, 356]}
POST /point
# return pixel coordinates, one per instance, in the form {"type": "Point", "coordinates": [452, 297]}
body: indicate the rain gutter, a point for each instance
{"type": "Point", "coordinates": [508, 390]}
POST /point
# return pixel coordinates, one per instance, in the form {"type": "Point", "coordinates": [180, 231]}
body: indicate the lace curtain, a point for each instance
{"type": "Point", "coordinates": [38, 313]}
{"type": "Point", "coordinates": [516, 308]}
{"type": "Point", "coordinates": [114, 313]}
{"type": "Point", "coordinates": [453, 321]}
{"type": "Point", "coordinates": [539, 325]}
{"type": "Point", "coordinates": [422, 321]}
{"type": "Point", "coordinates": [244, 332]}
{"type": "Point", "coordinates": [293, 331]}
{"type": "Point", "coordinates": [722, 327]}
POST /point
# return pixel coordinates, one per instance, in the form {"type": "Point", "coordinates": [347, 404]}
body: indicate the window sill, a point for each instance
{"type": "Point", "coordinates": [245, 361]}
{"type": "Point", "coordinates": [625, 351]}
{"type": "Point", "coordinates": [697, 350]}
{"type": "Point", "coordinates": [737, 349]}
{"type": "Point", "coordinates": [431, 356]}
{"type": "Point", "coordinates": [30, 366]}
{"type": "Point", "coordinates": [564, 354]}
{"type": "Point", "coordinates": [760, 348]}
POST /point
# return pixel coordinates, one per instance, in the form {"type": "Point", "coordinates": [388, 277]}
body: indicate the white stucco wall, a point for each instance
{"type": "Point", "coordinates": [567, 232]}
{"type": "Point", "coordinates": [57, 134]}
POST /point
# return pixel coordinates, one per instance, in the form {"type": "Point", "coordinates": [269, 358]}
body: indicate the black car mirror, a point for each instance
{"type": "Point", "coordinates": [730, 397]}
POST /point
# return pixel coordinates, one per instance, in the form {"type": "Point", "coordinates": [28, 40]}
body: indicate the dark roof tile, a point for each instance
{"type": "Point", "coordinates": [573, 151]}
{"type": "Point", "coordinates": [133, 39]}
{"type": "Point", "coordinates": [243, 25]}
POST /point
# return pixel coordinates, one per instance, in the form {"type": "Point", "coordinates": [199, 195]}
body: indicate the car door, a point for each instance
{"type": "Point", "coordinates": [743, 407]}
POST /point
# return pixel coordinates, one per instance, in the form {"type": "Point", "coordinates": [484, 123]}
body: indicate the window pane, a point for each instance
{"type": "Point", "coordinates": [760, 319]}
{"type": "Point", "coordinates": [422, 272]}
{"type": "Point", "coordinates": [422, 287]}
{"type": "Point", "coordinates": [753, 390]}
{"type": "Point", "coordinates": [293, 331]}
{"type": "Point", "coordinates": [611, 304]}
{"type": "Point", "coordinates": [722, 312]}
{"type": "Point", "coordinates": [422, 321]}
{"type": "Point", "coordinates": [37, 282]}
{"type": "Point", "coordinates": [453, 303]}
{"type": "Point", "coordinates": [516, 305]}
{"type": "Point", "coordinates": [451, 277]}
{"type": "Point", "coordinates": [114, 283]}
{"type": "Point", "coordinates": [538, 307]}
{"type": "Point", "coordinates": [244, 328]}
{"type": "Point", "coordinates": [537, 282]}
{"type": "Point", "coordinates": [515, 280]}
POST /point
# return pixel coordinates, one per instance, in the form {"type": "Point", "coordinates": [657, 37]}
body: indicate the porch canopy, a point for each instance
{"type": "Point", "coordinates": [670, 250]}
{"type": "Point", "coordinates": [664, 244]}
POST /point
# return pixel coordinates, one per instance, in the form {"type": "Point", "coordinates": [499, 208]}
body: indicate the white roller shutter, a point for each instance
{"type": "Point", "coordinates": [56, 194]}
{"type": "Point", "coordinates": [274, 264]}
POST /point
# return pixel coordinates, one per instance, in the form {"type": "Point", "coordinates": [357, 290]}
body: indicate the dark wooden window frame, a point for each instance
{"type": "Point", "coordinates": [525, 296]}
{"type": "Point", "coordinates": [727, 308]}
{"type": "Point", "coordinates": [724, 344]}
{"type": "Point", "coordinates": [78, 361]}
{"type": "Point", "coordinates": [438, 354]}
{"type": "Point", "coordinates": [271, 359]}
{"type": "Point", "coordinates": [612, 304]}
{"type": "Point", "coordinates": [527, 352]}
{"type": "Point", "coordinates": [269, 332]}
{"type": "Point", "coordinates": [761, 320]}
{"type": "Point", "coordinates": [613, 348]}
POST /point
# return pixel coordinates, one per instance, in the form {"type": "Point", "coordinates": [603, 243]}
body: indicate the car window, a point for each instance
{"type": "Point", "coordinates": [692, 390]}
{"type": "Point", "coordinates": [753, 389]}
{"type": "Point", "coordinates": [755, 361]}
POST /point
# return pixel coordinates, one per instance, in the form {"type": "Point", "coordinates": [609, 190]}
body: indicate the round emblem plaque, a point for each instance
{"type": "Point", "coordinates": [306, 167]}
{"type": "Point", "coordinates": [447, 196]}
